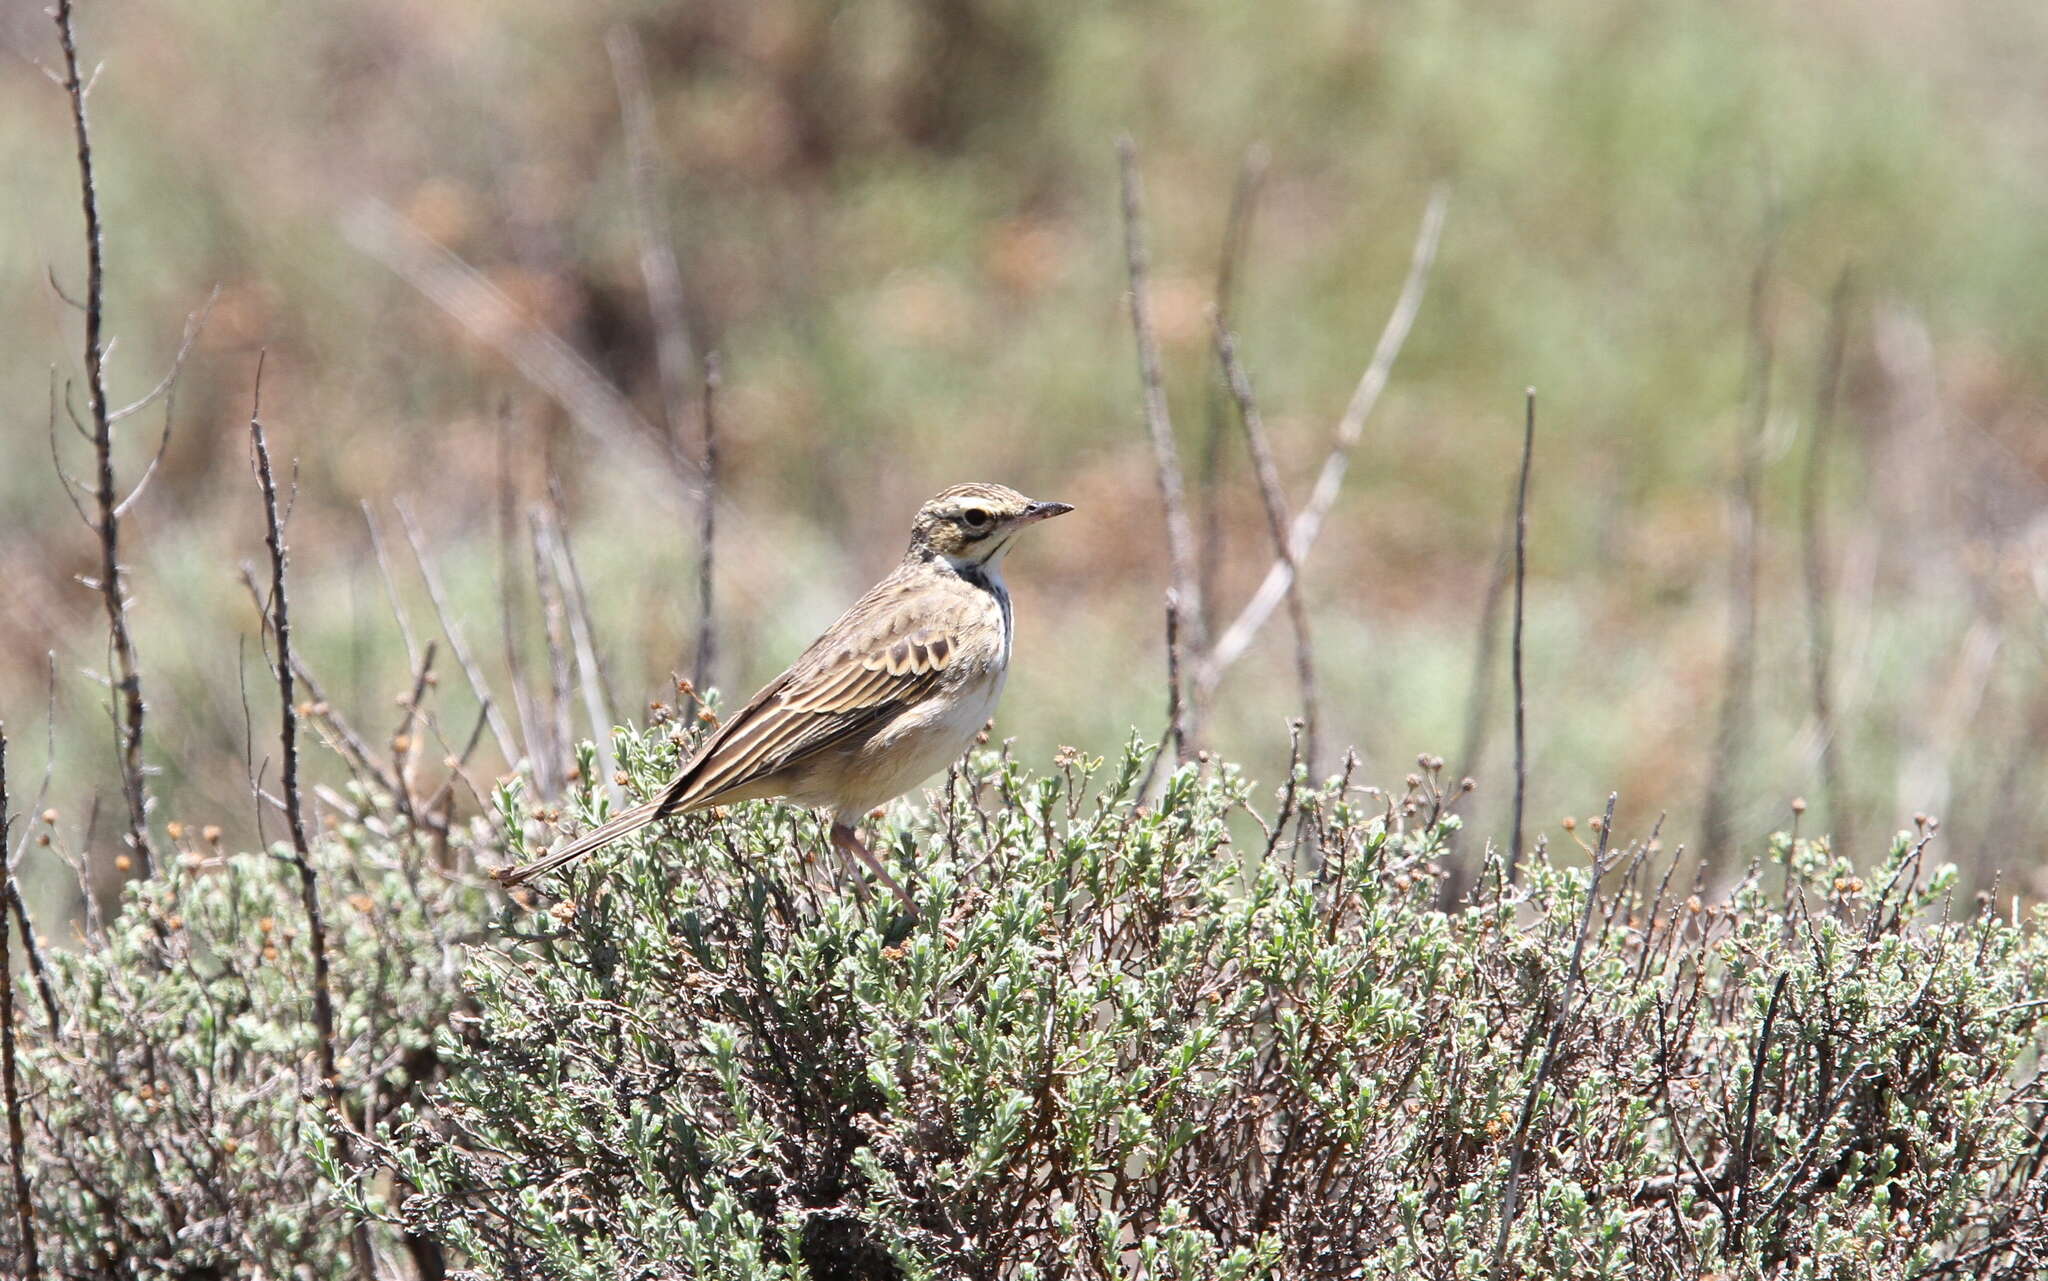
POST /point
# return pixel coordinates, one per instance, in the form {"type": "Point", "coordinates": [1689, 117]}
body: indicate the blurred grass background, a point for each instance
{"type": "Point", "coordinates": [897, 223]}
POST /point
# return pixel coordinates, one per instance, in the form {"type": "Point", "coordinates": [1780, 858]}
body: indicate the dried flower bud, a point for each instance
{"type": "Point", "coordinates": [210, 833]}
{"type": "Point", "coordinates": [269, 952]}
{"type": "Point", "coordinates": [401, 743]}
{"type": "Point", "coordinates": [708, 716]}
{"type": "Point", "coordinates": [1415, 780]}
{"type": "Point", "coordinates": [266, 925]}
{"type": "Point", "coordinates": [620, 778]}
{"type": "Point", "coordinates": [1799, 805]}
{"type": "Point", "coordinates": [122, 862]}
{"type": "Point", "coordinates": [1570, 824]}
{"type": "Point", "coordinates": [1468, 784]}
{"type": "Point", "coordinates": [175, 830]}
{"type": "Point", "coordinates": [564, 911]}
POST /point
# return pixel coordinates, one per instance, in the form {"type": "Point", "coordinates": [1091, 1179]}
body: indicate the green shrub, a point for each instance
{"type": "Point", "coordinates": [176, 1114]}
{"type": "Point", "coordinates": [1120, 1039]}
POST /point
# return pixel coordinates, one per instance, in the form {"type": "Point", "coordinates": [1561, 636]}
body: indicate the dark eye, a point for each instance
{"type": "Point", "coordinates": [976, 518]}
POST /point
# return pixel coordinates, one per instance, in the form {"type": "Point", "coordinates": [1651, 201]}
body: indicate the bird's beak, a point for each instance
{"type": "Point", "coordinates": [1043, 511]}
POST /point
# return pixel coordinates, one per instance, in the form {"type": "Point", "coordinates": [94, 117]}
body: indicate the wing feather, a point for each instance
{"type": "Point", "coordinates": [888, 652]}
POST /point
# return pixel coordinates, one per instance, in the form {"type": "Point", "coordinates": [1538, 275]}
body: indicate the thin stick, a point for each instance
{"type": "Point", "coordinates": [548, 590]}
{"type": "Point", "coordinates": [1176, 705]}
{"type": "Point", "coordinates": [540, 754]}
{"type": "Point", "coordinates": [288, 734]}
{"type": "Point", "coordinates": [1180, 533]}
{"type": "Point", "coordinates": [1479, 697]}
{"type": "Point", "coordinates": [1813, 549]}
{"type": "Point", "coordinates": [673, 353]}
{"type": "Point", "coordinates": [1515, 643]}
{"type": "Point", "coordinates": [707, 531]}
{"type": "Point", "coordinates": [1251, 178]}
{"type": "Point", "coordinates": [1739, 676]}
{"type": "Point", "coordinates": [127, 672]}
{"type": "Point", "coordinates": [500, 731]}
{"type": "Point", "coordinates": [593, 404]}
{"type": "Point", "coordinates": [1557, 1026]}
{"type": "Point", "coordinates": [412, 649]}
{"type": "Point", "coordinates": [1275, 502]}
{"type": "Point", "coordinates": [596, 700]}
{"type": "Point", "coordinates": [24, 1208]}
{"type": "Point", "coordinates": [1308, 523]}
{"type": "Point", "coordinates": [1742, 1155]}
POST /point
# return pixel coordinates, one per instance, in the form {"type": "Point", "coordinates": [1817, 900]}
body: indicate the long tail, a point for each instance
{"type": "Point", "coordinates": [603, 834]}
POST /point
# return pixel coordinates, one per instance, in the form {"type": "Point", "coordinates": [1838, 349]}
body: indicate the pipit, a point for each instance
{"type": "Point", "coordinates": [891, 693]}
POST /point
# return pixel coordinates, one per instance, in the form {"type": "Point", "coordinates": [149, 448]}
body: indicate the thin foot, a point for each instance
{"type": "Point", "coordinates": [848, 840]}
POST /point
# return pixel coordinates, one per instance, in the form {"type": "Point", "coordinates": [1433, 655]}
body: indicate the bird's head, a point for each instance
{"type": "Point", "coordinates": [973, 524]}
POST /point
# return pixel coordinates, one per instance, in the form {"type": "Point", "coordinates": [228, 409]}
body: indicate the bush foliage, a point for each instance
{"type": "Point", "coordinates": [1128, 1034]}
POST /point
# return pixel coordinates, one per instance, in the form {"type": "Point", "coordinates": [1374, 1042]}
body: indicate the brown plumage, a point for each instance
{"type": "Point", "coordinates": [890, 694]}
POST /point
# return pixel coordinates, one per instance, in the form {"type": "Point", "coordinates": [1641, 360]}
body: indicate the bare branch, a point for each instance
{"type": "Point", "coordinates": [194, 323]}
{"type": "Point", "coordinates": [463, 658]}
{"type": "Point", "coordinates": [1515, 642]}
{"type": "Point", "coordinates": [707, 531]}
{"type": "Point", "coordinates": [1180, 534]}
{"type": "Point", "coordinates": [1739, 676]}
{"type": "Point", "coordinates": [596, 703]}
{"type": "Point", "coordinates": [1251, 177]}
{"type": "Point", "coordinates": [412, 650]}
{"type": "Point", "coordinates": [673, 352]}
{"type": "Point", "coordinates": [30, 1261]}
{"type": "Point", "coordinates": [288, 734]}
{"type": "Point", "coordinates": [1813, 554]}
{"type": "Point", "coordinates": [340, 735]}
{"type": "Point", "coordinates": [1236, 638]}
{"type": "Point", "coordinates": [592, 403]}
{"type": "Point", "coordinates": [1275, 503]}
{"type": "Point", "coordinates": [126, 677]}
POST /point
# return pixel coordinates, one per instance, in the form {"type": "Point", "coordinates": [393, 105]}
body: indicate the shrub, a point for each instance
{"type": "Point", "coordinates": [1121, 1038]}
{"type": "Point", "coordinates": [176, 1114]}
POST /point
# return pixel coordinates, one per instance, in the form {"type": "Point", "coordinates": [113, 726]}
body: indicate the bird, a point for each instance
{"type": "Point", "coordinates": [893, 692]}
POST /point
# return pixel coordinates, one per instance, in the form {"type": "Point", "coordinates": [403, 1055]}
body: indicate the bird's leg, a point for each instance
{"type": "Point", "coordinates": [845, 838]}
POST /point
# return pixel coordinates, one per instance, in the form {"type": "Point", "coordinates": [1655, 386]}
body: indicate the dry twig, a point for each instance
{"type": "Point", "coordinates": [592, 402]}
{"type": "Point", "coordinates": [1732, 734]}
{"type": "Point", "coordinates": [1231, 644]}
{"type": "Point", "coordinates": [126, 674]}
{"type": "Point", "coordinates": [288, 734]}
{"type": "Point", "coordinates": [1515, 643]}
{"type": "Point", "coordinates": [707, 531]}
{"type": "Point", "coordinates": [1275, 502]}
{"type": "Point", "coordinates": [1180, 535]}
{"type": "Point", "coordinates": [674, 354]}
{"type": "Point", "coordinates": [1813, 554]}
{"type": "Point", "coordinates": [30, 1262]}
{"type": "Point", "coordinates": [1251, 178]}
